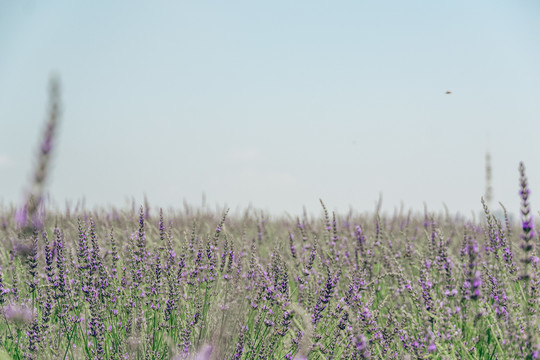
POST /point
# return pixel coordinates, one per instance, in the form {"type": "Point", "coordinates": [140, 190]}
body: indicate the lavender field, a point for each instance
{"type": "Point", "coordinates": [194, 284]}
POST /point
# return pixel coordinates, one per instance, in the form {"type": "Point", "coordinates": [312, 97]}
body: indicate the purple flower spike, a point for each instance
{"type": "Point", "coordinates": [527, 223]}
{"type": "Point", "coordinates": [524, 192]}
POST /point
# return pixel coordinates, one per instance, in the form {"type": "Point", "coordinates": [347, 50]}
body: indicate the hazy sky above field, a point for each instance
{"type": "Point", "coordinates": [277, 103]}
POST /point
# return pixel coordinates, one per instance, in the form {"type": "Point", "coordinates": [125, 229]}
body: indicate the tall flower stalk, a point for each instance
{"type": "Point", "coordinates": [527, 226]}
{"type": "Point", "coordinates": [28, 216]}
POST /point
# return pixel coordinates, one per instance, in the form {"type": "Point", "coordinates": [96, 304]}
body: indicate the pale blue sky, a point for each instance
{"type": "Point", "coordinates": [277, 103]}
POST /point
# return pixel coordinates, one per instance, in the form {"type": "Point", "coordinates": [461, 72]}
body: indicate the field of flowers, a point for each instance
{"type": "Point", "coordinates": [194, 284]}
{"type": "Point", "coordinates": [130, 285]}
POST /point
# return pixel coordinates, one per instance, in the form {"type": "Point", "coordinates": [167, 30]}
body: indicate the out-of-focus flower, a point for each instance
{"type": "Point", "coordinates": [204, 353]}
{"type": "Point", "coordinates": [21, 215]}
{"type": "Point", "coordinates": [18, 313]}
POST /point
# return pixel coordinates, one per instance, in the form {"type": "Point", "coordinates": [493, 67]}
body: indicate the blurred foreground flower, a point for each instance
{"type": "Point", "coordinates": [18, 313]}
{"type": "Point", "coordinates": [29, 216]}
{"type": "Point", "coordinates": [204, 353]}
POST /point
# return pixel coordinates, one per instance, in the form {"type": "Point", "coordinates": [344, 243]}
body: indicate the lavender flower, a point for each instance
{"type": "Point", "coordinates": [426, 285]}
{"type": "Point", "coordinates": [14, 278]}
{"type": "Point", "coordinates": [291, 245]}
{"type": "Point", "coordinates": [204, 353]}
{"type": "Point", "coordinates": [59, 280]}
{"type": "Point", "coordinates": [33, 262]}
{"type": "Point", "coordinates": [96, 259]}
{"type": "Point", "coordinates": [240, 343]}
{"type": "Point", "coordinates": [527, 224]}
{"type": "Point", "coordinates": [48, 258]}
{"type": "Point", "coordinates": [30, 209]}
{"type": "Point", "coordinates": [18, 313]}
{"type": "Point", "coordinates": [34, 337]}
{"type": "Point", "coordinates": [2, 289]}
{"type": "Point", "coordinates": [476, 283]}
{"type": "Point", "coordinates": [141, 240]}
{"type": "Point", "coordinates": [326, 294]}
{"type": "Point", "coordinates": [97, 329]}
